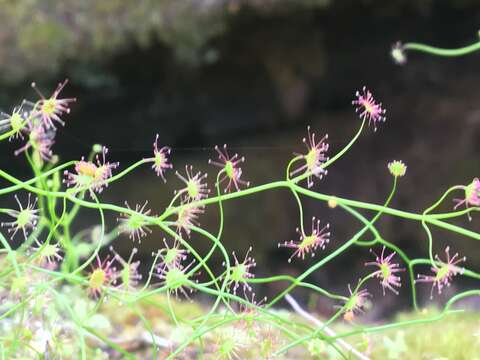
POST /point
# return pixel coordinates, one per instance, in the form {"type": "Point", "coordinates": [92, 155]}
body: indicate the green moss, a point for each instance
{"type": "Point", "coordinates": [454, 337]}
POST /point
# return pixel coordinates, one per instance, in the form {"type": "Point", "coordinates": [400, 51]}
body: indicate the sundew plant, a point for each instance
{"type": "Point", "coordinates": [68, 295]}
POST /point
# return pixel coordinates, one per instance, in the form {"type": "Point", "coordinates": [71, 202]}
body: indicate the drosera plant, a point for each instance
{"type": "Point", "coordinates": [81, 286]}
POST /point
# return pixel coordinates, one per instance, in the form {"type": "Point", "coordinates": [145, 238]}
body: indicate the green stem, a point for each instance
{"type": "Point", "coordinates": [432, 50]}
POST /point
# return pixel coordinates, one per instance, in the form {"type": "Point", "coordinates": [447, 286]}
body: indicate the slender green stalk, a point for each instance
{"type": "Point", "coordinates": [432, 50]}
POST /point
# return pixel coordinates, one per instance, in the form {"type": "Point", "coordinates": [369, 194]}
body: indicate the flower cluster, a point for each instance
{"type": "Point", "coordinates": [174, 276]}
{"type": "Point", "coordinates": [37, 121]}
{"type": "Point", "coordinates": [91, 176]}
{"type": "Point", "coordinates": [46, 269]}
{"type": "Point", "coordinates": [106, 274]}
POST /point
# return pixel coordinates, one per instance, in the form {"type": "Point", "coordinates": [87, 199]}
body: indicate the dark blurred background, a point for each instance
{"type": "Point", "coordinates": [253, 74]}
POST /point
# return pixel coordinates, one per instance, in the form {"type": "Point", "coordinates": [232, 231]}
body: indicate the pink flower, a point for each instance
{"type": "Point", "coordinates": [314, 158]}
{"type": "Point", "coordinates": [160, 159]}
{"type": "Point", "coordinates": [369, 108]}
{"type": "Point", "coordinates": [309, 243]}
{"type": "Point", "coordinates": [443, 273]}
{"type": "Point", "coordinates": [52, 108]}
{"type": "Point", "coordinates": [91, 176]}
{"type": "Point", "coordinates": [472, 196]}
{"type": "Point", "coordinates": [231, 172]}
{"type": "Point", "coordinates": [195, 188]}
{"type": "Point", "coordinates": [386, 271]}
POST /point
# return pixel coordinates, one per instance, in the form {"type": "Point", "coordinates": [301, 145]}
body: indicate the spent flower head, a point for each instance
{"type": "Point", "coordinates": [397, 168]}
{"type": "Point", "coordinates": [240, 272]}
{"type": "Point", "coordinates": [314, 158]}
{"type": "Point", "coordinates": [318, 239]}
{"type": "Point", "coordinates": [472, 196]}
{"type": "Point", "coordinates": [195, 189]}
{"type": "Point", "coordinates": [134, 224]}
{"type": "Point", "coordinates": [90, 175]}
{"type": "Point", "coordinates": [444, 271]}
{"type": "Point", "coordinates": [26, 218]}
{"type": "Point", "coordinates": [40, 140]}
{"type": "Point", "coordinates": [368, 108]}
{"type": "Point", "coordinates": [50, 109]}
{"type": "Point", "coordinates": [160, 159]}
{"type": "Point", "coordinates": [398, 53]}
{"type": "Point", "coordinates": [386, 271]}
{"type": "Point", "coordinates": [231, 171]}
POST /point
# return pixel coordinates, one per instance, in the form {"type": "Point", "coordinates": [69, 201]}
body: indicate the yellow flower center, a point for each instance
{"type": "Point", "coordinates": [49, 106]}
{"type": "Point", "coordinates": [97, 279]}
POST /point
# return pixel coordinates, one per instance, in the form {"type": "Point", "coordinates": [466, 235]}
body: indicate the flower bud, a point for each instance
{"type": "Point", "coordinates": [397, 168]}
{"type": "Point", "coordinates": [398, 53]}
{"type": "Point", "coordinates": [332, 203]}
